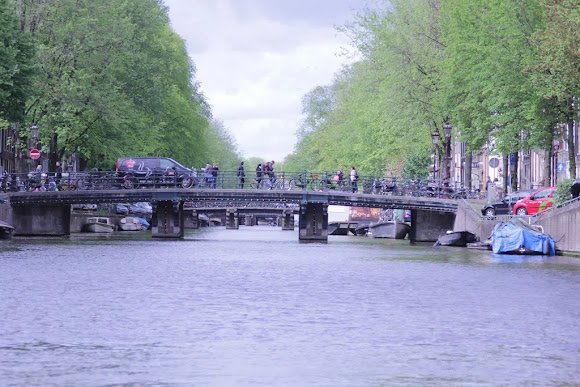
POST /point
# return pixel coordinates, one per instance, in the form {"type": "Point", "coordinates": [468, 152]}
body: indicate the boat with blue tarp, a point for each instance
{"type": "Point", "coordinates": [518, 237]}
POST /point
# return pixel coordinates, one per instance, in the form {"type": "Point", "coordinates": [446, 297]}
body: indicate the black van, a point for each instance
{"type": "Point", "coordinates": [153, 171]}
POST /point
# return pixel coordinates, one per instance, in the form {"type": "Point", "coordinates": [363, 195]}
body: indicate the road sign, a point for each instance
{"type": "Point", "coordinates": [34, 154]}
{"type": "Point", "coordinates": [493, 162]}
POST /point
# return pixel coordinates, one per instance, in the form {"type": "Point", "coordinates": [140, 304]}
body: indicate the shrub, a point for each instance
{"type": "Point", "coordinates": [563, 191]}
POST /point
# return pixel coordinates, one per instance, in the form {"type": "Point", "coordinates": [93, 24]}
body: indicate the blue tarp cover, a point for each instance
{"type": "Point", "coordinates": [510, 237]}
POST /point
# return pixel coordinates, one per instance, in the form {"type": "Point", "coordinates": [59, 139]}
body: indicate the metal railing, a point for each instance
{"type": "Point", "coordinates": [284, 181]}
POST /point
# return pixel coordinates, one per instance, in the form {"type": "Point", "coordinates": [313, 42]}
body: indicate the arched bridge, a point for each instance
{"type": "Point", "coordinates": [30, 208]}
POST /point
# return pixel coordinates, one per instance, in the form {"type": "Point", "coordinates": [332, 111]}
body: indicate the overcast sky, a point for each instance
{"type": "Point", "coordinates": [256, 59]}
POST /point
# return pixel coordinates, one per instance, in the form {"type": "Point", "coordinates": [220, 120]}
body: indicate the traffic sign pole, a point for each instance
{"type": "Point", "coordinates": [34, 154]}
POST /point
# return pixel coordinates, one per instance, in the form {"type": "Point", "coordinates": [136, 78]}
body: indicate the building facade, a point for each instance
{"type": "Point", "coordinates": [531, 166]}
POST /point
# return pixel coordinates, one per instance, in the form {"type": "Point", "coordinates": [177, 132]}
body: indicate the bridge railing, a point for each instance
{"type": "Point", "coordinates": [278, 180]}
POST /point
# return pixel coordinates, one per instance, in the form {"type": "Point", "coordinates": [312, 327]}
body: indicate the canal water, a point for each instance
{"type": "Point", "coordinates": [254, 307]}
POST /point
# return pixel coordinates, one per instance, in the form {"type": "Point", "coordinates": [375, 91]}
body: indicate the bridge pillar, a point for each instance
{"type": "Point", "coordinates": [313, 224]}
{"type": "Point", "coordinates": [46, 220]}
{"type": "Point", "coordinates": [191, 219]}
{"type": "Point", "coordinates": [249, 220]}
{"type": "Point", "coordinates": [427, 226]}
{"type": "Point", "coordinates": [167, 219]}
{"type": "Point", "coordinates": [287, 220]}
{"type": "Point", "coordinates": [232, 220]}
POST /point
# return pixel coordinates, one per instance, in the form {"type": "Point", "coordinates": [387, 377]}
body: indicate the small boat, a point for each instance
{"type": "Point", "coordinates": [6, 230]}
{"type": "Point", "coordinates": [341, 228]}
{"type": "Point", "coordinates": [456, 238]}
{"type": "Point", "coordinates": [99, 224]}
{"type": "Point", "coordinates": [517, 237]}
{"type": "Point", "coordinates": [389, 229]}
{"type": "Point", "coordinates": [361, 230]}
{"type": "Point", "coordinates": [130, 223]}
{"type": "Point", "coordinates": [146, 225]}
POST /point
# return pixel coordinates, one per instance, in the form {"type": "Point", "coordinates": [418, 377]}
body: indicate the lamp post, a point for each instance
{"type": "Point", "coordinates": [435, 139]}
{"type": "Point", "coordinates": [34, 152]}
{"type": "Point", "coordinates": [34, 131]}
{"type": "Point", "coordinates": [447, 147]}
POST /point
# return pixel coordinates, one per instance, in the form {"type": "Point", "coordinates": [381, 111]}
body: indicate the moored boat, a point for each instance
{"type": "Point", "coordinates": [99, 224]}
{"type": "Point", "coordinates": [130, 223]}
{"type": "Point", "coordinates": [389, 229]}
{"type": "Point", "coordinates": [6, 230]}
{"type": "Point", "coordinates": [341, 228]}
{"type": "Point", "coordinates": [517, 237]}
{"type": "Point", "coordinates": [456, 238]}
{"type": "Point", "coordinates": [361, 230]}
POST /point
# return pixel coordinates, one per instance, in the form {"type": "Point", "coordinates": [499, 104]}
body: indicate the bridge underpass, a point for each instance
{"type": "Point", "coordinates": [48, 213]}
{"type": "Point", "coordinates": [241, 214]}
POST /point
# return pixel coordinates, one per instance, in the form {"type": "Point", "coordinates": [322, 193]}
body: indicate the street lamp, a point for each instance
{"type": "Point", "coordinates": [435, 139]}
{"type": "Point", "coordinates": [447, 147]}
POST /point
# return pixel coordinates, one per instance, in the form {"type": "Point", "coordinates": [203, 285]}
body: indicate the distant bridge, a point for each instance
{"type": "Point", "coordinates": [42, 213]}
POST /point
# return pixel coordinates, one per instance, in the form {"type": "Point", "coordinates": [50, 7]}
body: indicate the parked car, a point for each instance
{"type": "Point", "coordinates": [505, 205]}
{"type": "Point", "coordinates": [535, 202]}
{"type": "Point", "coordinates": [84, 207]}
{"type": "Point", "coordinates": [141, 208]}
{"type": "Point", "coordinates": [151, 171]}
{"type": "Point", "coordinates": [121, 209]}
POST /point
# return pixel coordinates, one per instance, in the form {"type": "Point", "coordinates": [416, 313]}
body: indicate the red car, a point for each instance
{"type": "Point", "coordinates": [537, 201]}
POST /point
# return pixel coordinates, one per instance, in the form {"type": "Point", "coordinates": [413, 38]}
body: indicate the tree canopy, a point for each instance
{"type": "Point", "coordinates": [501, 71]}
{"type": "Point", "coordinates": [111, 79]}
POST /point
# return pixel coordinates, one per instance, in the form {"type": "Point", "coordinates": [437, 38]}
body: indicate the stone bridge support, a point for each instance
{"type": "Point", "coordinates": [232, 220]}
{"type": "Point", "coordinates": [249, 220]}
{"type": "Point", "coordinates": [45, 220]}
{"type": "Point", "coordinates": [191, 219]}
{"type": "Point", "coordinates": [313, 225]}
{"type": "Point", "coordinates": [286, 220]}
{"type": "Point", "coordinates": [167, 219]}
{"type": "Point", "coordinates": [427, 226]}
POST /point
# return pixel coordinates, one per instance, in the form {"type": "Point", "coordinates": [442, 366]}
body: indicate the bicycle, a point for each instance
{"type": "Point", "coordinates": [306, 180]}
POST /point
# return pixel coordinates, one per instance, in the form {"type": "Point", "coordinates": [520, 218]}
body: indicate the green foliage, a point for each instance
{"type": "Point", "coordinates": [563, 191]}
{"type": "Point", "coordinates": [115, 80]}
{"type": "Point", "coordinates": [500, 70]}
{"type": "Point", "coordinates": [382, 109]}
{"type": "Point", "coordinates": [417, 166]}
{"type": "Point", "coordinates": [16, 65]}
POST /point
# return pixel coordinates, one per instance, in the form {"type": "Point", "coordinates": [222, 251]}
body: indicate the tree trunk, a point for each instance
{"type": "Point", "coordinates": [547, 181]}
{"type": "Point", "coordinates": [468, 161]}
{"type": "Point", "coordinates": [571, 142]}
{"type": "Point", "coordinates": [548, 167]}
{"type": "Point", "coordinates": [515, 159]}
{"type": "Point", "coordinates": [53, 154]}
{"type": "Point", "coordinates": [505, 167]}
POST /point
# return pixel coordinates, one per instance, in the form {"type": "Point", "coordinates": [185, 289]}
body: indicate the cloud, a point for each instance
{"type": "Point", "coordinates": [256, 59]}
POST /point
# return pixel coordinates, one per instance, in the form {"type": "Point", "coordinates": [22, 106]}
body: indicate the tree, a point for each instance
{"type": "Point", "coordinates": [16, 66]}
{"type": "Point", "coordinates": [115, 81]}
{"type": "Point", "coordinates": [383, 107]}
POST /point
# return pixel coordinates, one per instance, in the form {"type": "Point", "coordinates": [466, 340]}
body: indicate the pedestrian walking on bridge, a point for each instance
{"type": "Point", "coordinates": [241, 175]}
{"type": "Point", "coordinates": [354, 179]}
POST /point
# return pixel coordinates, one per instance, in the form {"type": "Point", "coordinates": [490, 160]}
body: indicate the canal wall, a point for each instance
{"type": "Point", "coordinates": [561, 223]}
{"type": "Point", "coordinates": [6, 212]}
{"type": "Point", "coordinates": [467, 219]}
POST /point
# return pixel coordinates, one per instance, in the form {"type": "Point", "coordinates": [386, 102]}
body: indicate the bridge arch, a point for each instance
{"type": "Point", "coordinates": [431, 213]}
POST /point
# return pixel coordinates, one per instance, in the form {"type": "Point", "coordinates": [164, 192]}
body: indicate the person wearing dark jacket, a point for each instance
{"type": "Point", "coordinates": [259, 173]}
{"type": "Point", "coordinates": [241, 175]}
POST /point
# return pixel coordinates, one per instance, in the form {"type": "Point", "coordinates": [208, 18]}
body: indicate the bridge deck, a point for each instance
{"type": "Point", "coordinates": [232, 198]}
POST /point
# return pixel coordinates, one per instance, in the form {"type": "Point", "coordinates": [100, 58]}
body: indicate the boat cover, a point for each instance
{"type": "Point", "coordinates": [511, 237]}
{"type": "Point", "coordinates": [143, 222]}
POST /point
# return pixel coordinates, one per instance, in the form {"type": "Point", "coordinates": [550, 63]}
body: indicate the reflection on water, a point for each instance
{"type": "Point", "coordinates": [256, 307]}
